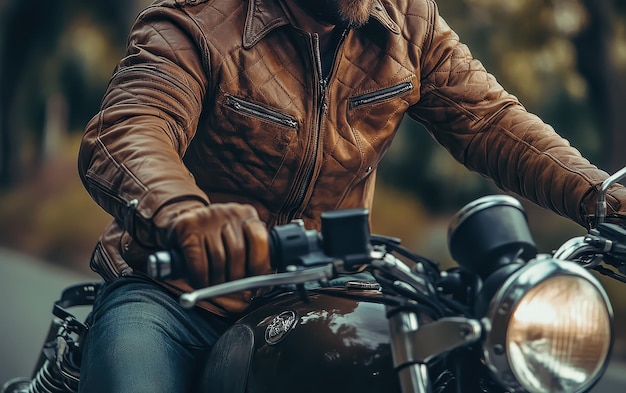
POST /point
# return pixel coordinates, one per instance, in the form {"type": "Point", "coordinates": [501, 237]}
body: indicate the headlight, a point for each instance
{"type": "Point", "coordinates": [550, 329]}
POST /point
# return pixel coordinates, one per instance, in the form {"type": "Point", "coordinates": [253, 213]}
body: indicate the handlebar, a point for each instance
{"type": "Point", "coordinates": [345, 236]}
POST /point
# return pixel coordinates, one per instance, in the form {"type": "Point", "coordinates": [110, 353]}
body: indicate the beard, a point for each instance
{"type": "Point", "coordinates": [353, 13]}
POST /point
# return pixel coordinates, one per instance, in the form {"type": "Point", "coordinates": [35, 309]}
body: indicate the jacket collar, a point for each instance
{"type": "Point", "coordinates": [265, 15]}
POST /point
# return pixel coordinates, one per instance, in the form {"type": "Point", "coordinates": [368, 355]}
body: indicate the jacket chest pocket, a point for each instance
{"type": "Point", "coordinates": [374, 118]}
{"type": "Point", "coordinates": [256, 137]}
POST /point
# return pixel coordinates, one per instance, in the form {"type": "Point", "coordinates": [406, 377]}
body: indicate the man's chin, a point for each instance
{"type": "Point", "coordinates": [330, 13]}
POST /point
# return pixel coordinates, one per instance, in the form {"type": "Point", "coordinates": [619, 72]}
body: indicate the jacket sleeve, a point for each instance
{"type": "Point", "coordinates": [490, 132]}
{"type": "Point", "coordinates": [130, 158]}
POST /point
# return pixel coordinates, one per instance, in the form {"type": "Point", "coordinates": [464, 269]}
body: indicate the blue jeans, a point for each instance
{"type": "Point", "coordinates": [141, 340]}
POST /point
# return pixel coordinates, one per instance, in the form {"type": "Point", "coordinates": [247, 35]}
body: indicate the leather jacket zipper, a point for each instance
{"type": "Point", "coordinates": [381, 95]}
{"type": "Point", "coordinates": [131, 206]}
{"type": "Point", "coordinates": [315, 142]}
{"type": "Point", "coordinates": [261, 112]}
{"type": "Point", "coordinates": [304, 178]}
{"type": "Point", "coordinates": [104, 190]}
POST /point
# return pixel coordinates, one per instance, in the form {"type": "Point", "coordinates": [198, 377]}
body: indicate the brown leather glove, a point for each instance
{"type": "Point", "coordinates": [220, 243]}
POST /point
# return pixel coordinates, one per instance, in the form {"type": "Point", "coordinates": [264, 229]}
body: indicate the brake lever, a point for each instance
{"type": "Point", "coordinates": [610, 273]}
{"type": "Point", "coordinates": [188, 300]}
{"type": "Point", "coordinates": [601, 205]}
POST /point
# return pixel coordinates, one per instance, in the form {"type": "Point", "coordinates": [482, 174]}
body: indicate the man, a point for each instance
{"type": "Point", "coordinates": [228, 117]}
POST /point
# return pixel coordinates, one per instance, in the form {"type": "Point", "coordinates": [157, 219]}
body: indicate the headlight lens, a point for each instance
{"type": "Point", "coordinates": [559, 335]}
{"type": "Point", "coordinates": [556, 329]}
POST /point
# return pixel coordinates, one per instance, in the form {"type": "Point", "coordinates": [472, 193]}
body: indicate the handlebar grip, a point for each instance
{"type": "Point", "coordinates": [170, 264]}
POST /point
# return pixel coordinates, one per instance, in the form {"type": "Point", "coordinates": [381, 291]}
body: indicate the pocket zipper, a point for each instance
{"type": "Point", "coordinates": [381, 95]}
{"type": "Point", "coordinates": [261, 112]}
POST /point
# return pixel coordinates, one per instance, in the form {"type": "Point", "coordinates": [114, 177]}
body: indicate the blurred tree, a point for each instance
{"type": "Point", "coordinates": [595, 44]}
{"type": "Point", "coordinates": [19, 39]}
{"type": "Point", "coordinates": [53, 55]}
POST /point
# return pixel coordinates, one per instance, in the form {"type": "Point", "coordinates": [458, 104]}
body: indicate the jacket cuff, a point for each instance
{"type": "Point", "coordinates": [615, 201]}
{"type": "Point", "coordinates": [153, 232]}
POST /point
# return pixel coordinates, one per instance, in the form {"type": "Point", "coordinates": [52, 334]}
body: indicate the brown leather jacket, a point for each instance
{"type": "Point", "coordinates": [224, 101]}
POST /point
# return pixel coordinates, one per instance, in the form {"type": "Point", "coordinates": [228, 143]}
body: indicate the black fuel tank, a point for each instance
{"type": "Point", "coordinates": [325, 343]}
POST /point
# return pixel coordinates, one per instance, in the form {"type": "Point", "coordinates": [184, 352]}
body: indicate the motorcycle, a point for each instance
{"type": "Point", "coordinates": [350, 311]}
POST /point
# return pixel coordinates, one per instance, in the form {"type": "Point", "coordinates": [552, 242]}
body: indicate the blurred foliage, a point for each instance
{"type": "Point", "coordinates": [50, 216]}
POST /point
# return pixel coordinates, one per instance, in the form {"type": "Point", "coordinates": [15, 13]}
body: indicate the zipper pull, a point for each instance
{"type": "Point", "coordinates": [323, 87]}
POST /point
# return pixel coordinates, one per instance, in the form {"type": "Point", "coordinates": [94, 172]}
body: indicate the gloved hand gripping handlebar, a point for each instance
{"type": "Point", "coordinates": [345, 235]}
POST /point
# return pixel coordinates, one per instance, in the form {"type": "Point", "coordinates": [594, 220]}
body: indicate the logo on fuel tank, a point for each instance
{"type": "Point", "coordinates": [280, 326]}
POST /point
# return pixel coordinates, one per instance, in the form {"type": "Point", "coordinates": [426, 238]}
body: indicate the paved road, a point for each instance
{"type": "Point", "coordinates": [29, 287]}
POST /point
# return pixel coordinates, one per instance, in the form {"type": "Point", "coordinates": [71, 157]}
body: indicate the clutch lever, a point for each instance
{"type": "Point", "coordinates": [188, 300]}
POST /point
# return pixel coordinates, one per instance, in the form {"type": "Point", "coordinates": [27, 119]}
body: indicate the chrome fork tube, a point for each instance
{"type": "Point", "coordinates": [412, 373]}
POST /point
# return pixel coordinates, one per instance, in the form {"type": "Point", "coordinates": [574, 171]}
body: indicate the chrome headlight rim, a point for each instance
{"type": "Point", "coordinates": [505, 302]}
